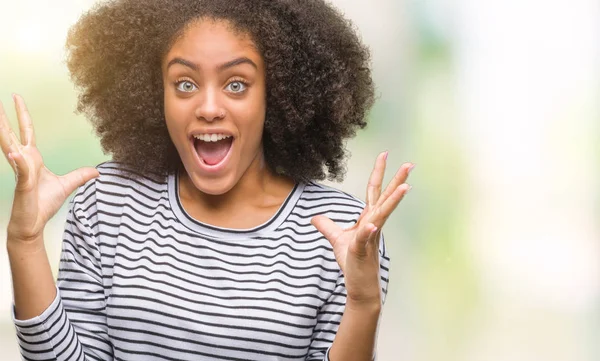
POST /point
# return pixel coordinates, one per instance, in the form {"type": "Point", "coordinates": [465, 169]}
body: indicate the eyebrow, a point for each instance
{"type": "Point", "coordinates": [229, 64]}
{"type": "Point", "coordinates": [183, 62]}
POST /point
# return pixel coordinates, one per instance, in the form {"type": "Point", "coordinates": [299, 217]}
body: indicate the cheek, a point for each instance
{"type": "Point", "coordinates": [256, 111]}
{"type": "Point", "coordinates": [252, 124]}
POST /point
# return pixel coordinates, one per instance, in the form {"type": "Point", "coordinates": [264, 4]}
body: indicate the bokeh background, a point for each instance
{"type": "Point", "coordinates": [496, 250]}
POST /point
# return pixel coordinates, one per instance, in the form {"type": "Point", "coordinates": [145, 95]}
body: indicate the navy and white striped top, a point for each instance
{"type": "Point", "coordinates": [139, 279]}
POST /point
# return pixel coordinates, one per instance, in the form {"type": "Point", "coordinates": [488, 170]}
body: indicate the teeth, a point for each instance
{"type": "Point", "coordinates": [215, 137]}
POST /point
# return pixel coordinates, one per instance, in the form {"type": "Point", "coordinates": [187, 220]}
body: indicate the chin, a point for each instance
{"type": "Point", "coordinates": [213, 186]}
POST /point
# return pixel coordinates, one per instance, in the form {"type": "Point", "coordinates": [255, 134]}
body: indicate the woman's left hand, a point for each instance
{"type": "Point", "coordinates": [356, 249]}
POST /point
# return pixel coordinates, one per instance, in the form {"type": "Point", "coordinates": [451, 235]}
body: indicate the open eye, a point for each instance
{"type": "Point", "coordinates": [236, 86]}
{"type": "Point", "coordinates": [185, 86]}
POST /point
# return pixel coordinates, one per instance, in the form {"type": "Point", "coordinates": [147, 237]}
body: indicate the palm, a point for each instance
{"type": "Point", "coordinates": [43, 193]}
{"type": "Point", "coordinates": [356, 249]}
{"type": "Point", "coordinates": [343, 243]}
{"type": "Point", "coordinates": [39, 193]}
{"type": "Point", "coordinates": [340, 250]}
{"type": "Point", "coordinates": [52, 193]}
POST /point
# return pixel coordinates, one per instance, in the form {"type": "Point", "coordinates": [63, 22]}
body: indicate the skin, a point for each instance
{"type": "Point", "coordinates": [39, 193]}
{"type": "Point", "coordinates": [245, 182]}
{"type": "Point", "coordinates": [204, 91]}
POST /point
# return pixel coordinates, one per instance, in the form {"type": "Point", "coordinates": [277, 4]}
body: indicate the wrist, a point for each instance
{"type": "Point", "coordinates": [371, 306]}
{"type": "Point", "coordinates": [25, 246]}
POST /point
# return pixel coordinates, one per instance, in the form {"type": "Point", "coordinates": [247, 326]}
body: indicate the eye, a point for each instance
{"type": "Point", "coordinates": [236, 86]}
{"type": "Point", "coordinates": [185, 86]}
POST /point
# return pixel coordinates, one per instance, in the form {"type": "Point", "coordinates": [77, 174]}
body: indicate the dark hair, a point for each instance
{"type": "Point", "coordinates": [318, 80]}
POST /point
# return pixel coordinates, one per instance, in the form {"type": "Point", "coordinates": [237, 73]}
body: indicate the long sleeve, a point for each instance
{"type": "Point", "coordinates": [73, 327]}
{"type": "Point", "coordinates": [330, 314]}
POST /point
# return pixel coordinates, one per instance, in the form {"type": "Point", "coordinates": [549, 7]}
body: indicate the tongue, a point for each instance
{"type": "Point", "coordinates": [213, 152]}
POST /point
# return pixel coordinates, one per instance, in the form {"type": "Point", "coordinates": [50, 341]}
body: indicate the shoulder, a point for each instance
{"type": "Point", "coordinates": [316, 190]}
{"type": "Point", "coordinates": [128, 174]}
{"type": "Point", "coordinates": [339, 206]}
{"type": "Point", "coordinates": [117, 182]}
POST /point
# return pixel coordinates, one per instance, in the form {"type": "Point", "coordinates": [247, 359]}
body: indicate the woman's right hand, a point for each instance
{"type": "Point", "coordinates": [39, 193]}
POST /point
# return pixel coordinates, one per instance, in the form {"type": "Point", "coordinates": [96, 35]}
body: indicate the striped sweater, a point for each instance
{"type": "Point", "coordinates": [140, 279]}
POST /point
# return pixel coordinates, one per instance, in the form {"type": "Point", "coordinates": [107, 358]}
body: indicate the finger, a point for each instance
{"type": "Point", "coordinates": [25, 123]}
{"type": "Point", "coordinates": [77, 178]}
{"type": "Point", "coordinates": [327, 227]}
{"type": "Point", "coordinates": [374, 240]}
{"type": "Point", "coordinates": [20, 167]}
{"type": "Point", "coordinates": [8, 139]}
{"type": "Point", "coordinates": [11, 161]}
{"type": "Point", "coordinates": [363, 235]}
{"type": "Point", "coordinates": [383, 212]}
{"type": "Point", "coordinates": [362, 214]}
{"type": "Point", "coordinates": [400, 177]}
{"type": "Point", "coordinates": [375, 180]}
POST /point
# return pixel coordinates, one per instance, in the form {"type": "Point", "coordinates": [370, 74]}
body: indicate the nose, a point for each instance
{"type": "Point", "coordinates": [209, 106]}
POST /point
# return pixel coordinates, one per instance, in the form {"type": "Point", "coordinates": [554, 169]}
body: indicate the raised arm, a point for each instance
{"type": "Point", "coordinates": [357, 251]}
{"type": "Point", "coordinates": [38, 195]}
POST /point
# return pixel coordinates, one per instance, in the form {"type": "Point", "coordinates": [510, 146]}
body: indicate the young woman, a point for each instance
{"type": "Point", "coordinates": [207, 237]}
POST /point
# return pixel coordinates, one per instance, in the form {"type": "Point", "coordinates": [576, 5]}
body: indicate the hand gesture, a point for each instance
{"type": "Point", "coordinates": [356, 249]}
{"type": "Point", "coordinates": [39, 193]}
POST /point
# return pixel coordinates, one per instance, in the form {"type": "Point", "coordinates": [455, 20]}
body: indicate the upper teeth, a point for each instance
{"type": "Point", "coordinates": [211, 137]}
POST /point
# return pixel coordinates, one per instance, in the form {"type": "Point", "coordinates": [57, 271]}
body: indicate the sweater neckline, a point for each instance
{"type": "Point", "coordinates": [222, 232]}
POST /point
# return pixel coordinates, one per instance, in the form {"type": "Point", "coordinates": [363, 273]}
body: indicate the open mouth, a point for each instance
{"type": "Point", "coordinates": [212, 151]}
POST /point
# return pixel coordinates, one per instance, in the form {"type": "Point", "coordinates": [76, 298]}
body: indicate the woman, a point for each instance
{"type": "Point", "coordinates": [207, 237]}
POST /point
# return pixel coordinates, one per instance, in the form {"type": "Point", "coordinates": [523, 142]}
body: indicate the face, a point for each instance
{"type": "Point", "coordinates": [214, 87]}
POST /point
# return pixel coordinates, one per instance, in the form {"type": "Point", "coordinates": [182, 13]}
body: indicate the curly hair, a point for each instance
{"type": "Point", "coordinates": [318, 79]}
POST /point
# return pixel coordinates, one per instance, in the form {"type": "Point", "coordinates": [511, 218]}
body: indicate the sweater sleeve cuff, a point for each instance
{"type": "Point", "coordinates": [45, 336]}
{"type": "Point", "coordinates": [36, 323]}
{"type": "Point", "coordinates": [326, 358]}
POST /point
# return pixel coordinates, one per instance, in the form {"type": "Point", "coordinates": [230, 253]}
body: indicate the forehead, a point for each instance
{"type": "Point", "coordinates": [210, 42]}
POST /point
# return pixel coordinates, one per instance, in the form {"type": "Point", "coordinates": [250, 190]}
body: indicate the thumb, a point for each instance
{"type": "Point", "coordinates": [327, 227]}
{"type": "Point", "coordinates": [78, 178]}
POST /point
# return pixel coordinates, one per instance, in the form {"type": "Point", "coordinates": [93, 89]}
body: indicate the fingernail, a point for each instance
{"type": "Point", "coordinates": [410, 168]}
{"type": "Point", "coordinates": [385, 155]}
{"type": "Point", "coordinates": [408, 189]}
{"type": "Point", "coordinates": [374, 229]}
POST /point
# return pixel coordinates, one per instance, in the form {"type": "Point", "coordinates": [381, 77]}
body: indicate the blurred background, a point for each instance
{"type": "Point", "coordinates": [496, 250]}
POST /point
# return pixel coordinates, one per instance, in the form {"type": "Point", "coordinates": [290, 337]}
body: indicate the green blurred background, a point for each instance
{"type": "Point", "coordinates": [496, 250]}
